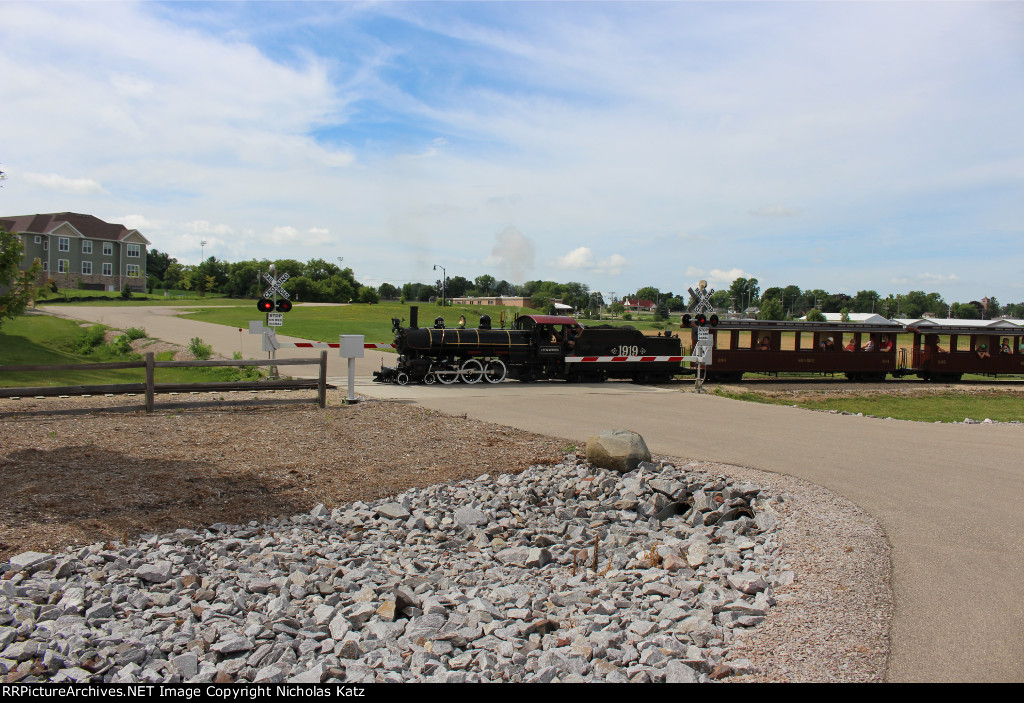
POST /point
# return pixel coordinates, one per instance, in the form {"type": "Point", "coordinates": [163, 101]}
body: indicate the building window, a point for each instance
{"type": "Point", "coordinates": [86, 246]}
{"type": "Point", "coordinates": [46, 244]}
{"type": "Point", "coordinates": [38, 239]}
{"type": "Point", "coordinates": [86, 268]}
{"type": "Point", "coordinates": [133, 249]}
{"type": "Point", "coordinates": [108, 269]}
{"type": "Point", "coordinates": [63, 244]}
{"type": "Point", "coordinates": [62, 266]}
{"type": "Point", "coordinates": [133, 270]}
{"type": "Point", "coordinates": [108, 248]}
{"type": "Point", "coordinates": [46, 266]}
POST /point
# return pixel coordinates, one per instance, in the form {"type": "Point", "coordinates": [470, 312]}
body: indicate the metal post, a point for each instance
{"type": "Point", "coordinates": [351, 380]}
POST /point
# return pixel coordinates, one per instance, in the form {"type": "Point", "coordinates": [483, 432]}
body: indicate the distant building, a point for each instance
{"type": "Point", "coordinates": [639, 305]}
{"type": "Point", "coordinates": [863, 317]}
{"type": "Point", "coordinates": [81, 250]}
{"type": "Point", "coordinates": [511, 301]}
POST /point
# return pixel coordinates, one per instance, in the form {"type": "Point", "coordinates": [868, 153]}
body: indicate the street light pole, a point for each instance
{"type": "Point", "coordinates": [444, 276]}
{"type": "Point", "coordinates": [202, 251]}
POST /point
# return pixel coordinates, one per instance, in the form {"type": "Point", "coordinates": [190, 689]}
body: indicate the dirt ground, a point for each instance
{"type": "Point", "coordinates": [83, 470]}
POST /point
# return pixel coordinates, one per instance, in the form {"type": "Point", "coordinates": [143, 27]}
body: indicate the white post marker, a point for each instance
{"type": "Point", "coordinates": [350, 346]}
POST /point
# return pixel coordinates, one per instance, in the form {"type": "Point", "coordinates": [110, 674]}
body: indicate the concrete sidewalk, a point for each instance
{"type": "Point", "coordinates": [949, 497]}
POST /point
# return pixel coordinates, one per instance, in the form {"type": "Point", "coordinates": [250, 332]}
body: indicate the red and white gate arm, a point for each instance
{"type": "Point", "coordinates": [605, 359]}
{"type": "Point", "coordinates": [329, 345]}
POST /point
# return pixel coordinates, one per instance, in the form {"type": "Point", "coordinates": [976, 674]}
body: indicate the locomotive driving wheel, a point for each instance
{"type": "Point", "coordinates": [495, 371]}
{"type": "Point", "coordinates": [446, 372]}
{"type": "Point", "coordinates": [472, 371]}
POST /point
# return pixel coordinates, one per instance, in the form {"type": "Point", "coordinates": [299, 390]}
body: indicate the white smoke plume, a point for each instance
{"type": "Point", "coordinates": [513, 255]}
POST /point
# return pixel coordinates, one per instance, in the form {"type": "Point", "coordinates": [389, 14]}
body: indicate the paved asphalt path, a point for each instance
{"type": "Point", "coordinates": [949, 497]}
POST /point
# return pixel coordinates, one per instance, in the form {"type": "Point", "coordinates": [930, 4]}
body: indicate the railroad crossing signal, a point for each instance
{"type": "Point", "coordinates": [269, 302]}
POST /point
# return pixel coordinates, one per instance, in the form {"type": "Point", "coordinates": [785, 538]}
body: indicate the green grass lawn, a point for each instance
{"type": "Point", "coordinates": [938, 406]}
{"type": "Point", "coordinates": [73, 296]}
{"type": "Point", "coordinates": [325, 323]}
{"type": "Point", "coordinates": [44, 340]}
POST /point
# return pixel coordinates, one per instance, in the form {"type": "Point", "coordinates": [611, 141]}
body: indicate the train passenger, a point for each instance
{"type": "Point", "coordinates": [766, 344]}
{"type": "Point", "coordinates": [982, 352]}
{"type": "Point", "coordinates": [570, 337]}
{"type": "Point", "coordinates": [870, 346]}
{"type": "Point", "coordinates": [886, 343]}
{"type": "Point", "coordinates": [852, 346]}
{"type": "Point", "coordinates": [1004, 347]}
{"type": "Point", "coordinates": [828, 345]}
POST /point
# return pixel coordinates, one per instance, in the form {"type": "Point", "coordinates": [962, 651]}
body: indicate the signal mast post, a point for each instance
{"type": "Point", "coordinates": [705, 316]}
{"type": "Point", "coordinates": [268, 304]}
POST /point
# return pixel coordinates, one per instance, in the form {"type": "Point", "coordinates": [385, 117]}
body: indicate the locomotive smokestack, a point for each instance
{"type": "Point", "coordinates": [414, 316]}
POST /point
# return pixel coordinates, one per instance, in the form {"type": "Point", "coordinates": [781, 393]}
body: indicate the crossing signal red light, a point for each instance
{"type": "Point", "coordinates": [713, 320]}
{"type": "Point", "coordinates": [284, 305]}
{"type": "Point", "coordinates": [701, 319]}
{"type": "Point", "coordinates": [265, 305]}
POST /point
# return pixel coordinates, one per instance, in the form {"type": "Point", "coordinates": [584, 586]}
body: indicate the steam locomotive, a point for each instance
{"type": "Point", "coordinates": [536, 347]}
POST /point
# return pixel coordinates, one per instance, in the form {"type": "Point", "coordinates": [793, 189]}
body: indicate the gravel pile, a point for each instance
{"type": "Point", "coordinates": [561, 573]}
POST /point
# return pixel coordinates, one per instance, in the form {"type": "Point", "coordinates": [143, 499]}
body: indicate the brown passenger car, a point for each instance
{"type": "Point", "coordinates": [944, 350]}
{"type": "Point", "coordinates": [861, 351]}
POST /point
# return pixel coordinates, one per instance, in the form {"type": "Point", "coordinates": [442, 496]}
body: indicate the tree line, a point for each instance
{"type": "Point", "coordinates": [321, 281]}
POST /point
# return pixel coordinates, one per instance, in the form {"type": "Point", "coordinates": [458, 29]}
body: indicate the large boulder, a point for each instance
{"type": "Point", "coordinates": [617, 450]}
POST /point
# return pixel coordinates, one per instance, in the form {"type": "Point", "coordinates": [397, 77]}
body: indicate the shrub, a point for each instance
{"type": "Point", "coordinates": [626, 316]}
{"type": "Point", "coordinates": [126, 293]}
{"type": "Point", "coordinates": [88, 339]}
{"type": "Point", "coordinates": [120, 345]}
{"type": "Point", "coordinates": [199, 349]}
{"type": "Point", "coordinates": [133, 333]}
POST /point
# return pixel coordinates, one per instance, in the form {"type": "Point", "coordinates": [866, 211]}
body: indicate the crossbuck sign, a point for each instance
{"type": "Point", "coordinates": [276, 286]}
{"type": "Point", "coordinates": [703, 298]}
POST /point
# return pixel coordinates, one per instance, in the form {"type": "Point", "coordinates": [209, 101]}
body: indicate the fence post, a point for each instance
{"type": "Point", "coordinates": [149, 382]}
{"type": "Point", "coordinates": [321, 391]}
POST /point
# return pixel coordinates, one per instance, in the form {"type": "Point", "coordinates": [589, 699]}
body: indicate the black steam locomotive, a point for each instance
{"type": "Point", "coordinates": [536, 347]}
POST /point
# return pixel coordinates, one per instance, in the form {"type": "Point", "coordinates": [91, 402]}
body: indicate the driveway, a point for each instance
{"type": "Point", "coordinates": [949, 497]}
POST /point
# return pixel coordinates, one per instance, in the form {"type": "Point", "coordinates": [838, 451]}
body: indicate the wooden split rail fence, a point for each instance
{"type": "Point", "coordinates": [151, 388]}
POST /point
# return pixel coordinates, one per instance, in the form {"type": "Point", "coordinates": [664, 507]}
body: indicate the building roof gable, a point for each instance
{"type": "Point", "coordinates": [86, 226]}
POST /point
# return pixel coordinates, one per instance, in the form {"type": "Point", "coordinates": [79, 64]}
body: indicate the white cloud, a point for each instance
{"type": "Point", "coordinates": [582, 258]}
{"type": "Point", "coordinates": [53, 181]}
{"type": "Point", "coordinates": [937, 278]}
{"type": "Point", "coordinates": [204, 227]}
{"type": "Point", "coordinates": [578, 258]}
{"type": "Point", "coordinates": [777, 210]}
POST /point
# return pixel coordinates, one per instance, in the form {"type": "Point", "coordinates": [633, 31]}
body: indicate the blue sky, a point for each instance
{"type": "Point", "coordinates": [833, 145]}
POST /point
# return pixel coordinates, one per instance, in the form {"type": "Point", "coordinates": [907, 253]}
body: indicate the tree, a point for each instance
{"type": "Point", "coordinates": [539, 301]}
{"type": "Point", "coordinates": [17, 287]}
{"type": "Point", "coordinates": [388, 291]}
{"type": "Point", "coordinates": [648, 293]}
{"type": "Point", "coordinates": [744, 290]}
{"type": "Point", "coordinates": [157, 263]}
{"type": "Point", "coordinates": [865, 301]}
{"type": "Point", "coordinates": [368, 295]}
{"type": "Point", "coordinates": [485, 284]}
{"type": "Point", "coordinates": [965, 311]}
{"type": "Point", "coordinates": [457, 286]}
{"type": "Point", "coordinates": [771, 309]}
{"type": "Point", "coordinates": [815, 315]}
